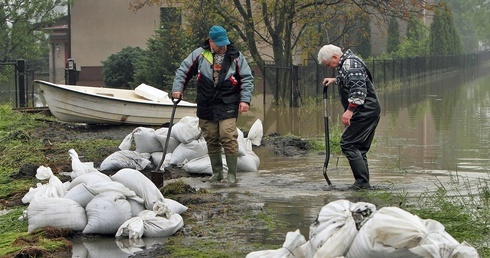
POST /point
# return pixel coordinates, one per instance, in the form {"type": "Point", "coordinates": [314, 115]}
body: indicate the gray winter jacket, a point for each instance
{"type": "Point", "coordinates": [235, 82]}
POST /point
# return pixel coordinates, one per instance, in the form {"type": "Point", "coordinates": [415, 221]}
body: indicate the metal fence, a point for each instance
{"type": "Point", "coordinates": [289, 85]}
{"type": "Point", "coordinates": [13, 83]}
{"type": "Point", "coordinates": [16, 83]}
{"type": "Point", "coordinates": [292, 85]}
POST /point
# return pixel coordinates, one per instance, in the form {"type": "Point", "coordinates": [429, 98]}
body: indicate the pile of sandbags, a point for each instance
{"type": "Point", "coordinates": [126, 204]}
{"type": "Point", "coordinates": [143, 149]}
{"type": "Point", "coordinates": [352, 230]}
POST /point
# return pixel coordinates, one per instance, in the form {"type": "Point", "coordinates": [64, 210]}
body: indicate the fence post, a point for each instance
{"type": "Point", "coordinates": [21, 80]}
{"type": "Point", "coordinates": [295, 87]}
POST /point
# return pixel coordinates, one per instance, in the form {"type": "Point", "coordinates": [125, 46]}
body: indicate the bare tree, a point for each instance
{"type": "Point", "coordinates": [279, 30]}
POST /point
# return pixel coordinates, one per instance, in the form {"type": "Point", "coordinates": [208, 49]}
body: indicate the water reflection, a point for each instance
{"type": "Point", "coordinates": [112, 247]}
{"type": "Point", "coordinates": [437, 123]}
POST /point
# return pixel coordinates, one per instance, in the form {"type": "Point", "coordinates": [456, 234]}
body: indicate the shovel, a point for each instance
{"type": "Point", "coordinates": [327, 138]}
{"type": "Point", "coordinates": [157, 175]}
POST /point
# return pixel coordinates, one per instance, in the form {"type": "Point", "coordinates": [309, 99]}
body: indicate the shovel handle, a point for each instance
{"type": "Point", "coordinates": [171, 122]}
{"type": "Point", "coordinates": [327, 138]}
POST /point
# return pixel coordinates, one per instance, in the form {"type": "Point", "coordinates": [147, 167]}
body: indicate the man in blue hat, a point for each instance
{"type": "Point", "coordinates": [224, 89]}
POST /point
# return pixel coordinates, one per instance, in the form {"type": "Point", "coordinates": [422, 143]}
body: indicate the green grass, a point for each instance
{"type": "Point", "coordinates": [464, 213]}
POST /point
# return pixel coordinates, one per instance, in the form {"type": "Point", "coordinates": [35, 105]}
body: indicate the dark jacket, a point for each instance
{"type": "Point", "coordinates": [355, 85]}
{"type": "Point", "coordinates": [235, 82]}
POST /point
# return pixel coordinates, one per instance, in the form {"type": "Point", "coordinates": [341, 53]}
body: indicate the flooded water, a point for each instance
{"type": "Point", "coordinates": [442, 124]}
{"type": "Point", "coordinates": [429, 131]}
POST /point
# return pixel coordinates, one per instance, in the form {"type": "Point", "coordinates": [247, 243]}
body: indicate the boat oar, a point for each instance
{"type": "Point", "coordinates": [327, 138]}
{"type": "Point", "coordinates": [157, 175]}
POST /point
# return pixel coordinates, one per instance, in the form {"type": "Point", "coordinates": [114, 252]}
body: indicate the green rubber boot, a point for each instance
{"type": "Point", "coordinates": [231, 160]}
{"type": "Point", "coordinates": [217, 166]}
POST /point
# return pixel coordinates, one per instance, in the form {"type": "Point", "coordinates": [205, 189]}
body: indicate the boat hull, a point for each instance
{"type": "Point", "coordinates": [94, 105]}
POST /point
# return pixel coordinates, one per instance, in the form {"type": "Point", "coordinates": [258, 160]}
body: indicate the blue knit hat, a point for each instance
{"type": "Point", "coordinates": [218, 35]}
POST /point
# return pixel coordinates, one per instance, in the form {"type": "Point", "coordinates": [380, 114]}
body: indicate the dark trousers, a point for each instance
{"type": "Point", "coordinates": [356, 142]}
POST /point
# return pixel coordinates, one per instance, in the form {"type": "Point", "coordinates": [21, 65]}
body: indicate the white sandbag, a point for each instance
{"type": "Point", "coordinates": [54, 186]}
{"type": "Point", "coordinates": [335, 228]}
{"type": "Point", "coordinates": [80, 194]}
{"type": "Point", "coordinates": [249, 162]}
{"type": "Point", "coordinates": [35, 192]}
{"type": "Point", "coordinates": [242, 143]}
{"type": "Point", "coordinates": [114, 186]}
{"type": "Point", "coordinates": [187, 151]}
{"type": "Point", "coordinates": [140, 184]}
{"type": "Point", "coordinates": [186, 130]}
{"type": "Point", "coordinates": [136, 207]}
{"type": "Point", "coordinates": [89, 179]}
{"type": "Point", "coordinates": [126, 159]}
{"type": "Point", "coordinates": [256, 133]}
{"type": "Point", "coordinates": [152, 93]}
{"type": "Point", "coordinates": [127, 142]}
{"type": "Point", "coordinates": [145, 140]}
{"type": "Point", "coordinates": [254, 137]}
{"type": "Point", "coordinates": [292, 242]}
{"type": "Point", "coordinates": [200, 165]}
{"type": "Point", "coordinates": [156, 157]}
{"type": "Point", "coordinates": [161, 135]}
{"type": "Point", "coordinates": [106, 212]}
{"type": "Point", "coordinates": [175, 206]}
{"type": "Point", "coordinates": [132, 228]}
{"type": "Point", "coordinates": [78, 167]}
{"type": "Point", "coordinates": [56, 212]}
{"type": "Point", "coordinates": [156, 226]}
{"type": "Point", "coordinates": [162, 209]}
{"type": "Point", "coordinates": [393, 232]}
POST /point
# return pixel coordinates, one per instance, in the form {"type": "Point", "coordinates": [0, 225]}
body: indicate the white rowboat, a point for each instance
{"type": "Point", "coordinates": [96, 105]}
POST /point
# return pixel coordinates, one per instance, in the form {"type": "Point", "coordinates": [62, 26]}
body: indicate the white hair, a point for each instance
{"type": "Point", "coordinates": [327, 51]}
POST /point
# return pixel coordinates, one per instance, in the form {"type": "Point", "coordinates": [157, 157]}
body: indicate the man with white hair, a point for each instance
{"type": "Point", "coordinates": [361, 105]}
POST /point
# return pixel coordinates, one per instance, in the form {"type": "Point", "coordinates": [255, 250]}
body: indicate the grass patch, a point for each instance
{"type": "Point", "coordinates": [464, 212]}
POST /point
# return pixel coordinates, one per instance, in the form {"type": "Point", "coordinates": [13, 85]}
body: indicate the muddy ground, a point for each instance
{"type": "Point", "coordinates": [234, 220]}
{"type": "Point", "coordinates": [210, 216]}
